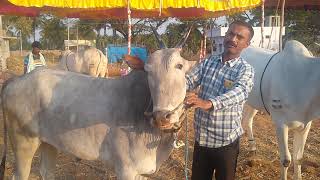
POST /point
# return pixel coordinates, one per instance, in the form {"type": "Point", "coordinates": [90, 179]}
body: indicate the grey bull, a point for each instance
{"type": "Point", "coordinates": [90, 61]}
{"type": "Point", "coordinates": [96, 118]}
{"type": "Point", "coordinates": [287, 85]}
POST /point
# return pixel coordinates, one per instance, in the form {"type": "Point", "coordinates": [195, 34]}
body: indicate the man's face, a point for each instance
{"type": "Point", "coordinates": [236, 39]}
{"type": "Point", "coordinates": [35, 50]}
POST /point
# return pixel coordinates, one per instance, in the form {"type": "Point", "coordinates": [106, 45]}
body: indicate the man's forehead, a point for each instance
{"type": "Point", "coordinates": [239, 29]}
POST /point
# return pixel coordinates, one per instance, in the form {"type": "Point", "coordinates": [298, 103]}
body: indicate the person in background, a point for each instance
{"type": "Point", "coordinates": [225, 81]}
{"type": "Point", "coordinates": [34, 59]}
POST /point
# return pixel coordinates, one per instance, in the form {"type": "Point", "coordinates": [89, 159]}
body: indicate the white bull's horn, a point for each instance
{"type": "Point", "coordinates": [184, 39]}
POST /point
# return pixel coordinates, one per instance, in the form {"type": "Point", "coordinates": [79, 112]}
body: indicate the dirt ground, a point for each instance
{"type": "Point", "coordinates": [264, 164]}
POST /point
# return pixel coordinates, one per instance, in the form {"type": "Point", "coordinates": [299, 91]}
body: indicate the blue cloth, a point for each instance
{"type": "Point", "coordinates": [227, 86]}
{"type": "Point", "coordinates": [116, 53]}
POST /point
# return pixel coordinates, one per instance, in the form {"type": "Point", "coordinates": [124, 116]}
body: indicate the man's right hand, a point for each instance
{"type": "Point", "coordinates": [192, 100]}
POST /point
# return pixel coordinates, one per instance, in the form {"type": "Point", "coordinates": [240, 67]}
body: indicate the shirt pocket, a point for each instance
{"type": "Point", "coordinates": [227, 84]}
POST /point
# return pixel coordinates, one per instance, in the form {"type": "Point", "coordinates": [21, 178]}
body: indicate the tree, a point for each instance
{"type": "Point", "coordinates": [300, 25]}
{"type": "Point", "coordinates": [53, 32]}
{"type": "Point", "coordinates": [86, 29]}
{"type": "Point", "coordinates": [18, 26]}
{"type": "Point", "coordinates": [175, 31]}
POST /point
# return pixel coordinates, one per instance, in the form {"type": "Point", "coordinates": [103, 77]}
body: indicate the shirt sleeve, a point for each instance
{"type": "Point", "coordinates": [238, 93]}
{"type": "Point", "coordinates": [193, 78]}
{"type": "Point", "coordinates": [26, 60]}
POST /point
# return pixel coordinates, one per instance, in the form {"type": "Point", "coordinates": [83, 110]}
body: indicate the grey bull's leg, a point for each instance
{"type": "Point", "coordinates": [24, 149]}
{"type": "Point", "coordinates": [299, 142]}
{"type": "Point", "coordinates": [48, 155]}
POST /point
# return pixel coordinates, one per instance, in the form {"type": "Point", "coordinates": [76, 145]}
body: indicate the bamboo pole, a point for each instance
{"type": "Point", "coordinates": [281, 24]}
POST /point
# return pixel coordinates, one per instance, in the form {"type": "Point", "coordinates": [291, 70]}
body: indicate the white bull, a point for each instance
{"type": "Point", "coordinates": [96, 118]}
{"type": "Point", "coordinates": [89, 61]}
{"type": "Point", "coordinates": [290, 90]}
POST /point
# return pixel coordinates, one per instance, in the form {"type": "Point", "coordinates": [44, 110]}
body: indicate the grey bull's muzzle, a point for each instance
{"type": "Point", "coordinates": [161, 119]}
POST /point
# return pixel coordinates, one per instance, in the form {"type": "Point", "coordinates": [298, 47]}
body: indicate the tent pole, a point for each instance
{"type": "Point", "coordinates": [68, 44]}
{"type": "Point", "coordinates": [281, 24]}
{"type": "Point", "coordinates": [204, 41]}
{"type": "Point", "coordinates": [262, 24]}
{"type": "Point", "coordinates": [129, 28]}
{"type": "Point", "coordinates": [77, 39]}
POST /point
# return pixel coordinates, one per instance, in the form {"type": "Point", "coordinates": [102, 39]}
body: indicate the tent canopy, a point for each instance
{"type": "Point", "coordinates": [100, 9]}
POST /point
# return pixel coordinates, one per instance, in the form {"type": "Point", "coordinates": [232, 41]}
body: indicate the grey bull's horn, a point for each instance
{"type": "Point", "coordinates": [160, 41]}
{"type": "Point", "coordinates": [184, 39]}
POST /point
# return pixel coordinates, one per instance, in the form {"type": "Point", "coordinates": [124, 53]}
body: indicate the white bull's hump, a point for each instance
{"type": "Point", "coordinates": [294, 47]}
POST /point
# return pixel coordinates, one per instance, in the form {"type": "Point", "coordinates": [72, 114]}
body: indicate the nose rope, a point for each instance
{"type": "Point", "coordinates": [186, 154]}
{"type": "Point", "coordinates": [179, 143]}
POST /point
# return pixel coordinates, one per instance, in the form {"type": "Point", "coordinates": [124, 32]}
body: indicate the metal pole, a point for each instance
{"type": "Point", "coordinates": [204, 41]}
{"type": "Point", "coordinates": [20, 42]}
{"type": "Point", "coordinates": [211, 29]}
{"type": "Point", "coordinates": [68, 43]}
{"type": "Point", "coordinates": [77, 39]}
{"type": "Point", "coordinates": [262, 24]}
{"type": "Point", "coordinates": [281, 25]}
{"type": "Point", "coordinates": [1, 25]}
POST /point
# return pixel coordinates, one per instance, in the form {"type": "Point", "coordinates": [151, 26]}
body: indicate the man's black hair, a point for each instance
{"type": "Point", "coordinates": [36, 44]}
{"type": "Point", "coordinates": [245, 24]}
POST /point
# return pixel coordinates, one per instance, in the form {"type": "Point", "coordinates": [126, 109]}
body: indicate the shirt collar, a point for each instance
{"type": "Point", "coordinates": [231, 62]}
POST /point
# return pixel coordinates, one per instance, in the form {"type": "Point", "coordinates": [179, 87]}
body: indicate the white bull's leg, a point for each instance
{"type": "Point", "coordinates": [24, 149]}
{"type": "Point", "coordinates": [139, 177]}
{"type": "Point", "coordinates": [126, 173]}
{"type": "Point", "coordinates": [48, 160]}
{"type": "Point", "coordinates": [247, 121]}
{"type": "Point", "coordinates": [285, 157]}
{"type": "Point", "coordinates": [299, 142]}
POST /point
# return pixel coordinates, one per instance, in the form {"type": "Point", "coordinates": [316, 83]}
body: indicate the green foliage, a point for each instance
{"type": "Point", "coordinates": [301, 25]}
{"type": "Point", "coordinates": [86, 30]}
{"type": "Point", "coordinates": [18, 26]}
{"type": "Point", "coordinates": [53, 32]}
{"type": "Point", "coordinates": [175, 32]}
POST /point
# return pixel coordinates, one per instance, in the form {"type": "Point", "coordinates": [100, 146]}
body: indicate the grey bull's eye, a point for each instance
{"type": "Point", "coordinates": [179, 66]}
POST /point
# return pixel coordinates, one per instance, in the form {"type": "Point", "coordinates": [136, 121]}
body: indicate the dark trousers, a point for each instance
{"type": "Point", "coordinates": [222, 160]}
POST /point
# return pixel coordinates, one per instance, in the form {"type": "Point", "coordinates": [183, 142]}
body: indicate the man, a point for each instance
{"type": "Point", "coordinates": [34, 59]}
{"type": "Point", "coordinates": [225, 82]}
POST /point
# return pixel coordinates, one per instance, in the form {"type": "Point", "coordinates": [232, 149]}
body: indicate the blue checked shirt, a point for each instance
{"type": "Point", "coordinates": [227, 86]}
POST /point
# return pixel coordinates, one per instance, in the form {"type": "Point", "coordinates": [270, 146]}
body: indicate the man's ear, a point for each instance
{"type": "Point", "coordinates": [248, 43]}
